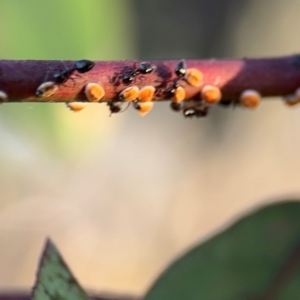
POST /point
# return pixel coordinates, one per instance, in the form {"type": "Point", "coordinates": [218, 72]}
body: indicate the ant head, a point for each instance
{"type": "Point", "coordinates": [83, 66]}
{"type": "Point", "coordinates": [189, 112]}
{"type": "Point", "coordinates": [145, 68]}
{"type": "Point", "coordinates": [175, 106]}
{"type": "Point", "coordinates": [180, 70]}
{"type": "Point", "coordinates": [195, 109]}
{"type": "Point", "coordinates": [114, 107]}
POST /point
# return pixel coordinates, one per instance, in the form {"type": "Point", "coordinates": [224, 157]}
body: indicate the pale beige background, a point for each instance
{"type": "Point", "coordinates": [160, 184]}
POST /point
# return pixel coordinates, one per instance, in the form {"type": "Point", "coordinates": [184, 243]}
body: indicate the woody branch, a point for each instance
{"type": "Point", "coordinates": [19, 80]}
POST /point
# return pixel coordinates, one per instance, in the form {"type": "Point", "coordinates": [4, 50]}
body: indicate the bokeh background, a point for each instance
{"type": "Point", "coordinates": [123, 196]}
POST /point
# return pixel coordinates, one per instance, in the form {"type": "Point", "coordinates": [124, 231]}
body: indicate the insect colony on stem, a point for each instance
{"type": "Point", "coordinates": [141, 96]}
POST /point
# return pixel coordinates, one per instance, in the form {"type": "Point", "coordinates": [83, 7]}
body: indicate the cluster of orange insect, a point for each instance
{"type": "Point", "coordinates": [142, 97]}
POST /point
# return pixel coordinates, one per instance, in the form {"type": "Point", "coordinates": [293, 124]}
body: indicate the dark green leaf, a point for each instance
{"type": "Point", "coordinates": [256, 258]}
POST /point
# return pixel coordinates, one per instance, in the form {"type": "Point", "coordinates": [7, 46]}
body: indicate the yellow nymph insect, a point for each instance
{"type": "Point", "coordinates": [94, 92]}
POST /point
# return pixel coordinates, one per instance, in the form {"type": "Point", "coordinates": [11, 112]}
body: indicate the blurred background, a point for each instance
{"type": "Point", "coordinates": [123, 196]}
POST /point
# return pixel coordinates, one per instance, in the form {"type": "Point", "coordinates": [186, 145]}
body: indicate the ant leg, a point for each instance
{"type": "Point", "coordinates": [128, 104]}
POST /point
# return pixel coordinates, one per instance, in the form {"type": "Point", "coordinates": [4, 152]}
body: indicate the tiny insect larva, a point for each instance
{"type": "Point", "coordinates": [3, 97]}
{"type": "Point", "coordinates": [211, 94]}
{"type": "Point", "coordinates": [46, 89]}
{"type": "Point", "coordinates": [250, 98]}
{"type": "Point", "coordinates": [76, 106]}
{"type": "Point", "coordinates": [146, 94]}
{"type": "Point", "coordinates": [143, 107]}
{"type": "Point", "coordinates": [94, 92]}
{"type": "Point", "coordinates": [129, 94]}
{"type": "Point", "coordinates": [194, 77]}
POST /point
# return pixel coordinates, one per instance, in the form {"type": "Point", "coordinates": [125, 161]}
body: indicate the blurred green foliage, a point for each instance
{"type": "Point", "coordinates": [244, 262]}
{"type": "Point", "coordinates": [70, 29]}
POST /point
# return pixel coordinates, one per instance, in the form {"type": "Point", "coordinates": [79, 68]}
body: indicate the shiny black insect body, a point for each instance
{"type": "Point", "coordinates": [81, 66]}
{"type": "Point", "coordinates": [143, 68]}
{"type": "Point", "coordinates": [60, 77]}
{"type": "Point", "coordinates": [198, 112]}
{"type": "Point", "coordinates": [170, 91]}
{"type": "Point", "coordinates": [175, 106]}
{"type": "Point", "coordinates": [181, 69]}
{"type": "Point", "coordinates": [84, 65]}
{"type": "Point", "coordinates": [114, 107]}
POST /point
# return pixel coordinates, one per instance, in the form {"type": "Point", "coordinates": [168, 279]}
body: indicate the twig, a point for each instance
{"type": "Point", "coordinates": [193, 86]}
{"type": "Point", "coordinates": [270, 77]}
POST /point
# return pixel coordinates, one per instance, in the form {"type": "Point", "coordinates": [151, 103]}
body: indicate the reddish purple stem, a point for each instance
{"type": "Point", "coordinates": [271, 77]}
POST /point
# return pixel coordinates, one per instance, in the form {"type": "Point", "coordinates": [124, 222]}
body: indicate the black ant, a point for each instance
{"type": "Point", "coordinates": [181, 69]}
{"type": "Point", "coordinates": [171, 90]}
{"type": "Point", "coordinates": [176, 106]}
{"type": "Point", "coordinates": [116, 107]}
{"type": "Point", "coordinates": [143, 68]}
{"type": "Point", "coordinates": [195, 109]}
{"type": "Point", "coordinates": [81, 66]}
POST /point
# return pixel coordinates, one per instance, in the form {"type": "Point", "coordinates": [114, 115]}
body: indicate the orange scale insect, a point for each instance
{"type": "Point", "coordinates": [146, 94]}
{"type": "Point", "coordinates": [179, 94]}
{"type": "Point", "coordinates": [194, 77]}
{"type": "Point", "coordinates": [143, 107]}
{"type": "Point", "coordinates": [46, 89]}
{"type": "Point", "coordinates": [129, 94]}
{"type": "Point", "coordinates": [76, 106]}
{"type": "Point", "coordinates": [250, 99]}
{"type": "Point", "coordinates": [211, 94]}
{"type": "Point", "coordinates": [94, 92]}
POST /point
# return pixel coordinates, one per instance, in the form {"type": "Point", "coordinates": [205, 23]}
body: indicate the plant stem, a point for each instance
{"type": "Point", "coordinates": [270, 77]}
